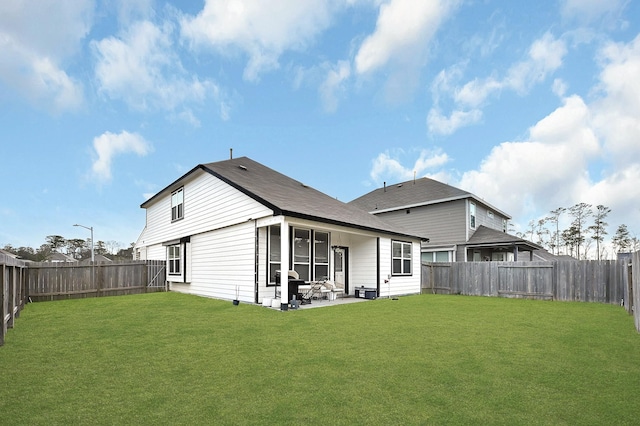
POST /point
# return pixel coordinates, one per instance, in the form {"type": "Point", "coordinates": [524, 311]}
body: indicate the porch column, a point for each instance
{"type": "Point", "coordinates": [515, 253]}
{"type": "Point", "coordinates": [284, 265]}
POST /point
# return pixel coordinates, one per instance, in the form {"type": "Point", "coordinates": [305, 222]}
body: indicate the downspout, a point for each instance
{"type": "Point", "coordinates": [378, 267]}
{"type": "Point", "coordinates": [257, 260]}
{"type": "Point", "coordinates": [284, 264]}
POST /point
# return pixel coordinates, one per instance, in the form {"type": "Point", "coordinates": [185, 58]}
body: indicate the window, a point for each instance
{"type": "Point", "coordinates": [302, 252]}
{"type": "Point", "coordinates": [437, 256]}
{"type": "Point", "coordinates": [504, 225]}
{"type": "Point", "coordinates": [177, 204]}
{"type": "Point", "coordinates": [321, 255]}
{"type": "Point", "coordinates": [400, 258]}
{"type": "Point", "coordinates": [274, 253]}
{"type": "Point", "coordinates": [472, 215]}
{"type": "Point", "coordinates": [174, 260]}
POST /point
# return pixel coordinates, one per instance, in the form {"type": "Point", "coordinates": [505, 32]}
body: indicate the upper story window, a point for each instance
{"type": "Point", "coordinates": [400, 258]}
{"type": "Point", "coordinates": [472, 215]}
{"type": "Point", "coordinates": [504, 225]}
{"type": "Point", "coordinates": [177, 204]}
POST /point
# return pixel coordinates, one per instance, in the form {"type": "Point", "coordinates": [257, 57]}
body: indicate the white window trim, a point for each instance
{"type": "Point", "coordinates": [178, 206]}
{"type": "Point", "coordinates": [315, 254]}
{"type": "Point", "coordinates": [473, 214]}
{"type": "Point", "coordinates": [272, 263]}
{"type": "Point", "coordinates": [402, 258]}
{"type": "Point", "coordinates": [174, 260]}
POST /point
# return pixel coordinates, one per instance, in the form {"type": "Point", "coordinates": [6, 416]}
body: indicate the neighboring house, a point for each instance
{"type": "Point", "coordinates": [98, 258]}
{"type": "Point", "coordinates": [460, 226]}
{"type": "Point", "coordinates": [225, 228]}
{"type": "Point", "coordinates": [56, 257]}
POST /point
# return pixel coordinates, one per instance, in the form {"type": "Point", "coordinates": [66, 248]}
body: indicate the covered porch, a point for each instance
{"type": "Point", "coordinates": [325, 264]}
{"type": "Point", "coordinates": [488, 244]}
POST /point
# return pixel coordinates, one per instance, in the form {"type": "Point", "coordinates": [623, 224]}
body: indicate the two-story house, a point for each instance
{"type": "Point", "coordinates": [226, 228]}
{"type": "Point", "coordinates": [461, 226]}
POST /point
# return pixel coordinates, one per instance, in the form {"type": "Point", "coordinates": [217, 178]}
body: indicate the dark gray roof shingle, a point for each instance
{"type": "Point", "coordinates": [488, 236]}
{"type": "Point", "coordinates": [413, 193]}
{"type": "Point", "coordinates": [420, 191]}
{"type": "Point", "coordinates": [287, 196]}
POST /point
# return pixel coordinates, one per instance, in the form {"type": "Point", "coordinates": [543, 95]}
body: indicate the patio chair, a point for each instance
{"type": "Point", "coordinates": [335, 291]}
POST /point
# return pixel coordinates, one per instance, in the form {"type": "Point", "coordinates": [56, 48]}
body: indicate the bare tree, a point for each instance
{"type": "Point", "coordinates": [580, 213]}
{"type": "Point", "coordinates": [555, 218]}
{"type": "Point", "coordinates": [599, 227]}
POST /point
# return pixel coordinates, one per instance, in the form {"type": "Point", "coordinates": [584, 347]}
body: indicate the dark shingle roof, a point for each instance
{"type": "Point", "coordinates": [488, 236]}
{"type": "Point", "coordinates": [289, 197]}
{"type": "Point", "coordinates": [420, 191]}
{"type": "Point", "coordinates": [413, 193]}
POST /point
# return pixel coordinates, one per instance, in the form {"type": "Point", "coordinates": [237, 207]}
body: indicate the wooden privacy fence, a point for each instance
{"type": "Point", "coordinates": [13, 292]}
{"type": "Point", "coordinates": [55, 281]}
{"type": "Point", "coordinates": [22, 281]}
{"type": "Point", "coordinates": [635, 290]}
{"type": "Point", "coordinates": [587, 281]}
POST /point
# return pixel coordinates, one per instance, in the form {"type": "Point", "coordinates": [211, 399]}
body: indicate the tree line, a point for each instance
{"type": "Point", "coordinates": [77, 248]}
{"type": "Point", "coordinates": [587, 227]}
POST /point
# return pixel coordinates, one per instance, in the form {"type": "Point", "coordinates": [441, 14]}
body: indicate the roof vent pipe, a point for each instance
{"type": "Point", "coordinates": [385, 186]}
{"type": "Point", "coordinates": [230, 153]}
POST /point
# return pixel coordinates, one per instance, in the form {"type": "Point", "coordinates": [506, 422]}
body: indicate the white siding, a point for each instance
{"type": "Point", "coordinates": [221, 252]}
{"type": "Point", "coordinates": [363, 267]}
{"type": "Point", "coordinates": [220, 261]}
{"type": "Point", "coordinates": [362, 262]}
{"type": "Point", "coordinates": [399, 284]}
{"type": "Point", "coordinates": [209, 204]}
{"type": "Point", "coordinates": [156, 252]}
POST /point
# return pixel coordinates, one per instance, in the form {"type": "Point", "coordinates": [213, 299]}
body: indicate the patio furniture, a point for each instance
{"type": "Point", "coordinates": [334, 290]}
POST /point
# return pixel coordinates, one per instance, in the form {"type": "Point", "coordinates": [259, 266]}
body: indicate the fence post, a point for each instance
{"type": "Point", "coordinates": [3, 324]}
{"type": "Point", "coordinates": [145, 276]}
{"type": "Point", "coordinates": [634, 289]}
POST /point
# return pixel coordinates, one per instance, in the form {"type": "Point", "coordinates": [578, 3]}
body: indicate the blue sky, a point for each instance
{"type": "Point", "coordinates": [529, 105]}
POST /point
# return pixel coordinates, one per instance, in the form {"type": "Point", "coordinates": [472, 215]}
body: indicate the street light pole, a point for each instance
{"type": "Point", "coordinates": [90, 228]}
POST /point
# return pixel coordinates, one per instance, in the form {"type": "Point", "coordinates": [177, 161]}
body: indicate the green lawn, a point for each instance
{"type": "Point", "coordinates": [167, 358]}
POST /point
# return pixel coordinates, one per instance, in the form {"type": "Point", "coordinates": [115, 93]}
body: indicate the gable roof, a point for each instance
{"type": "Point", "coordinates": [289, 197]}
{"type": "Point", "coordinates": [487, 236]}
{"type": "Point", "coordinates": [414, 193]}
{"type": "Point", "coordinates": [60, 257]}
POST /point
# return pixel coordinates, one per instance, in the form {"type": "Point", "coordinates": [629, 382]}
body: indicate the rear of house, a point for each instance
{"type": "Point", "coordinates": [226, 229]}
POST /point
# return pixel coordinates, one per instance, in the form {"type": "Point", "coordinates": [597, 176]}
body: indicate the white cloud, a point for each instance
{"type": "Point", "coordinates": [588, 11]}
{"type": "Point", "coordinates": [108, 145]}
{"type": "Point", "coordinates": [388, 167]}
{"type": "Point", "coordinates": [35, 38]}
{"type": "Point", "coordinates": [617, 113]}
{"type": "Point", "coordinates": [438, 123]}
{"type": "Point", "coordinates": [545, 56]}
{"type": "Point", "coordinates": [550, 167]}
{"type": "Point", "coordinates": [581, 152]}
{"type": "Point", "coordinates": [401, 41]}
{"type": "Point", "coordinates": [262, 30]}
{"type": "Point", "coordinates": [142, 69]}
{"type": "Point", "coordinates": [403, 29]}
{"type": "Point", "coordinates": [333, 85]}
